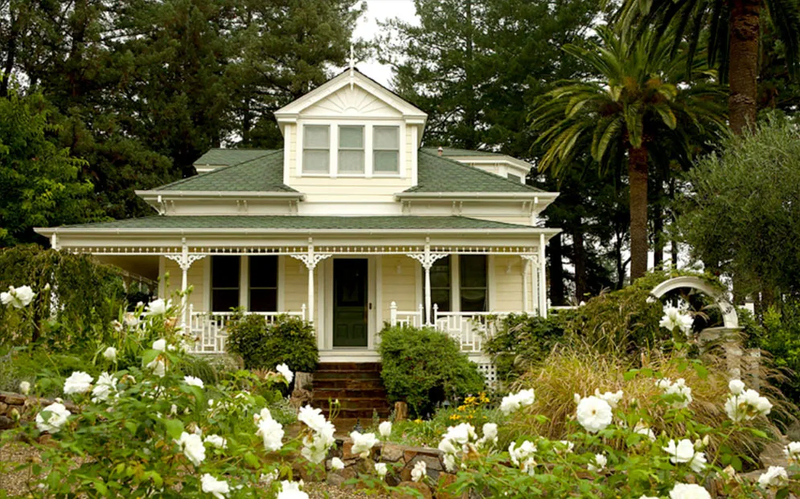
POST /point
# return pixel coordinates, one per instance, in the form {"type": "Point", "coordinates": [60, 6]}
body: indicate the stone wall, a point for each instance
{"type": "Point", "coordinates": [15, 407]}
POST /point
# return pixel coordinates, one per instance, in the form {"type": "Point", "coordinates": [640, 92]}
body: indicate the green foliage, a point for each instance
{"type": "Point", "coordinates": [779, 334]}
{"type": "Point", "coordinates": [89, 297]}
{"type": "Point", "coordinates": [424, 367]}
{"type": "Point", "coordinates": [263, 345]}
{"type": "Point", "coordinates": [743, 215]}
{"type": "Point", "coordinates": [522, 341]}
{"type": "Point", "coordinates": [39, 183]}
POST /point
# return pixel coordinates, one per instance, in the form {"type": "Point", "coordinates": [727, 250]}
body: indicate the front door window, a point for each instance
{"type": "Point", "coordinates": [350, 315]}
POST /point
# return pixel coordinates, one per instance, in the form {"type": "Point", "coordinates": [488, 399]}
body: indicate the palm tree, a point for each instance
{"type": "Point", "coordinates": [733, 39]}
{"type": "Point", "coordinates": [638, 95]}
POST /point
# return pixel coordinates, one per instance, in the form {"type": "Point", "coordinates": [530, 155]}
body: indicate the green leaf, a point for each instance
{"type": "Point", "coordinates": [149, 356]}
{"type": "Point", "coordinates": [251, 459]}
{"type": "Point", "coordinates": [174, 428]}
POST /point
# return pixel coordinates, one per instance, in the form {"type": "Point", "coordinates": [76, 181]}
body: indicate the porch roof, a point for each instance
{"type": "Point", "coordinates": [290, 223]}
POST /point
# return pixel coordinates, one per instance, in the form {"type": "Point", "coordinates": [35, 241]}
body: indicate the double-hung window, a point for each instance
{"type": "Point", "coordinates": [473, 286]}
{"type": "Point", "coordinates": [224, 283]}
{"type": "Point", "coordinates": [440, 284]}
{"type": "Point", "coordinates": [386, 150]}
{"type": "Point", "coordinates": [351, 149]}
{"type": "Point", "coordinates": [316, 149]}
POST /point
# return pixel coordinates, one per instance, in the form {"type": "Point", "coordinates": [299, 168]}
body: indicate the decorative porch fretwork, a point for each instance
{"type": "Point", "coordinates": [184, 259]}
{"type": "Point", "coordinates": [427, 259]}
{"type": "Point", "coordinates": [310, 259]}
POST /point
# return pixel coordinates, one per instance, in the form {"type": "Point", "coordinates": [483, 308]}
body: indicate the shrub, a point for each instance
{"type": "Point", "coordinates": [288, 340]}
{"type": "Point", "coordinates": [522, 341]}
{"type": "Point", "coordinates": [424, 367]}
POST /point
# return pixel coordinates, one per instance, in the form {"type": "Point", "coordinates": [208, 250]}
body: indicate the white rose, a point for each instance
{"type": "Point", "coordinates": [78, 382]}
{"type": "Point", "coordinates": [192, 446]}
{"type": "Point", "coordinates": [286, 372]}
{"type": "Point", "coordinates": [157, 307]}
{"type": "Point", "coordinates": [216, 441]}
{"type": "Point", "coordinates": [594, 414]}
{"type": "Point", "coordinates": [24, 387]}
{"type": "Point", "coordinates": [490, 432]}
{"type": "Point", "coordinates": [291, 490]}
{"type": "Point", "coordinates": [160, 345]}
{"type": "Point", "coordinates": [688, 491]}
{"type": "Point", "coordinates": [338, 464]}
{"type": "Point", "coordinates": [363, 443]}
{"type": "Point", "coordinates": [312, 417]}
{"type": "Point", "coordinates": [681, 452]}
{"type": "Point", "coordinates": [19, 297]}
{"type": "Point", "coordinates": [381, 469]}
{"type": "Point", "coordinates": [598, 464]}
{"type": "Point", "coordinates": [449, 462]}
{"type": "Point", "coordinates": [272, 433]}
{"type": "Point", "coordinates": [736, 386]}
{"type": "Point", "coordinates": [192, 381]}
{"type": "Point", "coordinates": [419, 471]}
{"type": "Point", "coordinates": [775, 476]}
{"type": "Point", "coordinates": [110, 354]}
{"type": "Point", "coordinates": [219, 488]}
{"type": "Point", "coordinates": [522, 456]}
{"type": "Point", "coordinates": [461, 434]}
{"type": "Point", "coordinates": [159, 367]}
{"type": "Point", "coordinates": [509, 404]}
{"type": "Point", "coordinates": [385, 429]}
{"type": "Point", "coordinates": [106, 385]}
{"type": "Point", "coordinates": [792, 452]}
{"type": "Point", "coordinates": [612, 398]}
{"type": "Point", "coordinates": [56, 415]}
{"type": "Point", "coordinates": [447, 446]}
{"type": "Point", "coordinates": [526, 397]}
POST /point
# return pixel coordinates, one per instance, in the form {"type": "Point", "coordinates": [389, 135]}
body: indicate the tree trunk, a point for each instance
{"type": "Point", "coordinates": [658, 236]}
{"type": "Point", "coordinates": [579, 259]}
{"type": "Point", "coordinates": [743, 68]}
{"type": "Point", "coordinates": [637, 181]}
{"type": "Point", "coordinates": [556, 270]}
{"type": "Point", "coordinates": [673, 241]}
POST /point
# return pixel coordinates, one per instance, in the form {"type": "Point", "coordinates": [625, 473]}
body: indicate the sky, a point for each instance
{"type": "Point", "coordinates": [367, 28]}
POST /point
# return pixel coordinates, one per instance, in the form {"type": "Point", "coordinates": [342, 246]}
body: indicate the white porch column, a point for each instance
{"type": "Point", "coordinates": [529, 269]}
{"type": "Point", "coordinates": [184, 260]}
{"type": "Point", "coordinates": [427, 260]}
{"type": "Point", "coordinates": [311, 259]}
{"type": "Point", "coordinates": [542, 277]}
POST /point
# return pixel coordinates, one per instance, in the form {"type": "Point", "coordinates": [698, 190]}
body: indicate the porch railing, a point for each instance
{"type": "Point", "coordinates": [210, 328]}
{"type": "Point", "coordinates": [470, 329]}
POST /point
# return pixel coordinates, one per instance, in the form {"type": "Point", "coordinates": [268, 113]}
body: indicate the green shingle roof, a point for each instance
{"type": "Point", "coordinates": [439, 174]}
{"type": "Point", "coordinates": [262, 173]}
{"type": "Point", "coordinates": [453, 151]}
{"type": "Point", "coordinates": [228, 157]}
{"type": "Point", "coordinates": [289, 222]}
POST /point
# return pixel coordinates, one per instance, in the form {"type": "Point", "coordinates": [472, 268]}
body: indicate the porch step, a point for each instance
{"type": "Point", "coordinates": [357, 386]}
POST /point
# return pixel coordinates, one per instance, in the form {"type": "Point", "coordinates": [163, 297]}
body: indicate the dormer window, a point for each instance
{"type": "Point", "coordinates": [386, 149]}
{"type": "Point", "coordinates": [351, 149]}
{"type": "Point", "coordinates": [316, 149]}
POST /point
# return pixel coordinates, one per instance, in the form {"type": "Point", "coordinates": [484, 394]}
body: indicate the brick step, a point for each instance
{"type": "Point", "coordinates": [341, 393]}
{"type": "Point", "coordinates": [348, 366]}
{"type": "Point", "coordinates": [361, 403]}
{"type": "Point", "coordinates": [323, 376]}
{"type": "Point", "coordinates": [347, 384]}
{"type": "Point", "coordinates": [365, 415]}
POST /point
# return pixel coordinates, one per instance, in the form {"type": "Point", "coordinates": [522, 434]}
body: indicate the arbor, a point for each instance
{"type": "Point", "coordinates": [619, 114]}
{"type": "Point", "coordinates": [38, 180]}
{"type": "Point", "coordinates": [734, 29]}
{"type": "Point", "coordinates": [742, 216]}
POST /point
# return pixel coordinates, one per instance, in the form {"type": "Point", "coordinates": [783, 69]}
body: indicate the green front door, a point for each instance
{"type": "Point", "coordinates": [350, 302]}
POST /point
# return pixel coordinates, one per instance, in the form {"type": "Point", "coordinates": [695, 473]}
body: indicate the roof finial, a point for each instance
{"type": "Point", "coordinates": [352, 62]}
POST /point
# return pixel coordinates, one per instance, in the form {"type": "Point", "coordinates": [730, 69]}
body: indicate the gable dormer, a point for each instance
{"type": "Point", "coordinates": [350, 132]}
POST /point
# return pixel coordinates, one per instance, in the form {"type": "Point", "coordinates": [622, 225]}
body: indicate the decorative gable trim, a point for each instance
{"type": "Point", "coordinates": [289, 113]}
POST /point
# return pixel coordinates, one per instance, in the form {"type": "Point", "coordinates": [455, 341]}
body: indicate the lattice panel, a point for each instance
{"type": "Point", "coordinates": [489, 372]}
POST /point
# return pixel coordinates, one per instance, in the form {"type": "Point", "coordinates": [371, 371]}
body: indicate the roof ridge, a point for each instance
{"type": "Point", "coordinates": [484, 172]}
{"type": "Point", "coordinates": [267, 152]}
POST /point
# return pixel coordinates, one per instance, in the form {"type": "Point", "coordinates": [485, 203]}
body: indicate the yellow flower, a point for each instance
{"type": "Point", "coordinates": [455, 417]}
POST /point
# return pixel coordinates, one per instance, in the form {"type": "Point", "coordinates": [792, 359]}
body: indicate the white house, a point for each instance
{"type": "Point", "coordinates": [350, 225]}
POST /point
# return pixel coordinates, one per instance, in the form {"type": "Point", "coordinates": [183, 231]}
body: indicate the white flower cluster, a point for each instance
{"type": "Point", "coordinates": [419, 471]}
{"type": "Point", "coordinates": [363, 443]}
{"type": "Point", "coordinates": [52, 418]}
{"type": "Point", "coordinates": [218, 488]}
{"type": "Point", "coordinates": [744, 405]}
{"type": "Point", "coordinates": [792, 452]}
{"type": "Point", "coordinates": [676, 318]}
{"type": "Point", "coordinates": [77, 383]}
{"type": "Point", "coordinates": [598, 463]}
{"type": "Point", "coordinates": [522, 456]}
{"type": "Point", "coordinates": [19, 297]}
{"type": "Point", "coordinates": [688, 491]}
{"type": "Point", "coordinates": [513, 402]}
{"type": "Point", "coordinates": [684, 451]}
{"type": "Point", "coordinates": [682, 393]}
{"type": "Point", "coordinates": [191, 445]}
{"type": "Point", "coordinates": [775, 476]}
{"type": "Point", "coordinates": [385, 429]}
{"type": "Point", "coordinates": [105, 387]}
{"type": "Point", "coordinates": [158, 307]}
{"type": "Point", "coordinates": [291, 490]}
{"type": "Point", "coordinates": [269, 429]}
{"type": "Point", "coordinates": [315, 447]}
{"type": "Point", "coordinates": [594, 413]}
{"type": "Point", "coordinates": [613, 398]}
{"type": "Point", "coordinates": [380, 468]}
{"type": "Point", "coordinates": [287, 373]}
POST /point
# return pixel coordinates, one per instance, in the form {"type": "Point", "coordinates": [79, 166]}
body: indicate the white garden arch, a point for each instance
{"type": "Point", "coordinates": [729, 317]}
